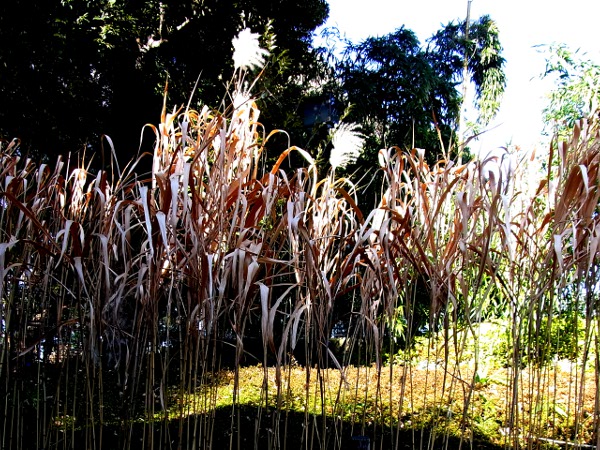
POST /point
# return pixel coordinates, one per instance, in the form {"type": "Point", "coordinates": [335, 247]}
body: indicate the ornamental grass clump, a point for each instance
{"type": "Point", "coordinates": [121, 296]}
{"type": "Point", "coordinates": [193, 306]}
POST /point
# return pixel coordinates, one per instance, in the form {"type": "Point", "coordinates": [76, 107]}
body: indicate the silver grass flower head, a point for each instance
{"type": "Point", "coordinates": [241, 98]}
{"type": "Point", "coordinates": [347, 145]}
{"type": "Point", "coordinates": [247, 52]}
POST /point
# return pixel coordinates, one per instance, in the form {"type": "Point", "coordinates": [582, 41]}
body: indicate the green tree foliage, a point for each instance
{"type": "Point", "coordinates": [407, 95]}
{"type": "Point", "coordinates": [577, 88]}
{"type": "Point", "coordinates": [73, 70]}
{"type": "Point", "coordinates": [391, 86]}
{"type": "Point", "coordinates": [484, 62]}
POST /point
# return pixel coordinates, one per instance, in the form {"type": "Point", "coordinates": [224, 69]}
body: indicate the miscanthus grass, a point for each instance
{"type": "Point", "coordinates": [136, 306]}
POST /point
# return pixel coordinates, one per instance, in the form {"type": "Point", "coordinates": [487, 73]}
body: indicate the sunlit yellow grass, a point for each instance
{"type": "Point", "coordinates": [415, 395]}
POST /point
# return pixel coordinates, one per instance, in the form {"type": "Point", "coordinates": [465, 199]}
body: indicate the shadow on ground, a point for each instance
{"type": "Point", "coordinates": [248, 428]}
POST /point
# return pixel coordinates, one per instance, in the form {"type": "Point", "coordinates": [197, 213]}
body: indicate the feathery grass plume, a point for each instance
{"type": "Point", "coordinates": [247, 52]}
{"type": "Point", "coordinates": [347, 144]}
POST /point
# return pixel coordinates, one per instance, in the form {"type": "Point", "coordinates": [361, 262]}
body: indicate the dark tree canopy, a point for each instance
{"type": "Point", "coordinates": [450, 48]}
{"type": "Point", "coordinates": [408, 95]}
{"type": "Point", "coordinates": [405, 94]}
{"type": "Point", "coordinates": [74, 70]}
{"type": "Point", "coordinates": [393, 89]}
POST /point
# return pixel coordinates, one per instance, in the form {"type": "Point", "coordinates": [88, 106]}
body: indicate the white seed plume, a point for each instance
{"type": "Point", "coordinates": [347, 144]}
{"type": "Point", "coordinates": [241, 99]}
{"type": "Point", "coordinates": [247, 52]}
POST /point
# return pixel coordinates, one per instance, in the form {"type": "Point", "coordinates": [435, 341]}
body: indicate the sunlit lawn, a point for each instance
{"type": "Point", "coordinates": [416, 394]}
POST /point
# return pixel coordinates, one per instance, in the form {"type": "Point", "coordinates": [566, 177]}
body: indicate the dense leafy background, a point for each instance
{"type": "Point", "coordinates": [74, 70]}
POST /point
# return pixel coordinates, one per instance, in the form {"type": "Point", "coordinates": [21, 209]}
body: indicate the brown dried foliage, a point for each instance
{"type": "Point", "coordinates": [115, 292]}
